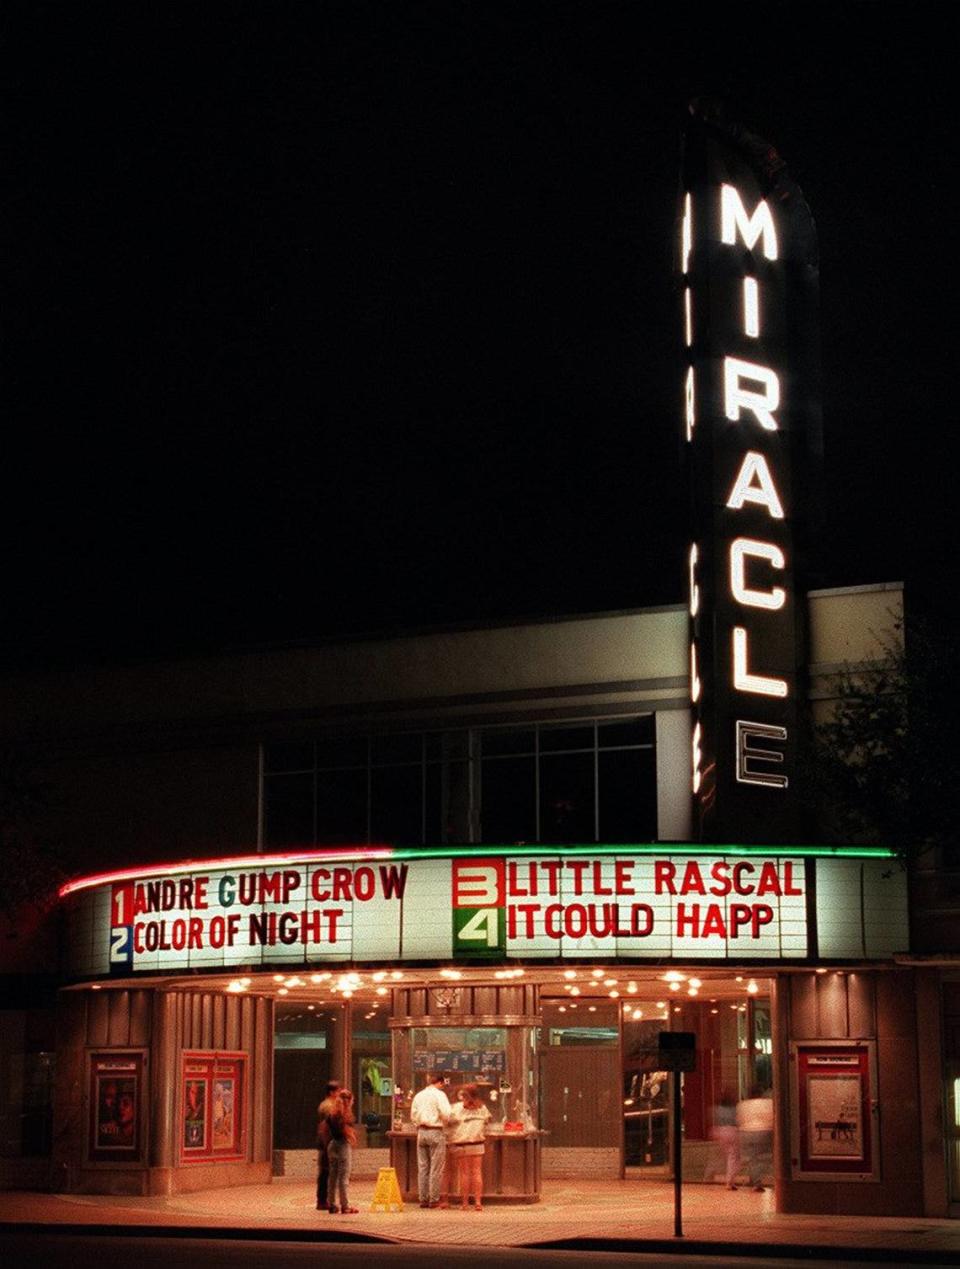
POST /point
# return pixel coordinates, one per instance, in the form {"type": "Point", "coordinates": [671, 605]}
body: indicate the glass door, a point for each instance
{"type": "Point", "coordinates": [646, 1089]}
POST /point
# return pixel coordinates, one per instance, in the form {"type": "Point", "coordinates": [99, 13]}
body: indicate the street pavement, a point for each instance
{"type": "Point", "coordinates": [62, 1250]}
{"type": "Point", "coordinates": [589, 1216]}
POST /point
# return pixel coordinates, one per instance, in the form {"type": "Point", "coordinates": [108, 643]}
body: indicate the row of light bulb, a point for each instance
{"type": "Point", "coordinates": [347, 983]}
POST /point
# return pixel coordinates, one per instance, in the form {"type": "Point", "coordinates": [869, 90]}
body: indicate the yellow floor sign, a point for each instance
{"type": "Point", "coordinates": [386, 1196]}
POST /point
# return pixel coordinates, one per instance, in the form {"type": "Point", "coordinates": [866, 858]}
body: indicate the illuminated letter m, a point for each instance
{"type": "Point", "coordinates": [734, 220]}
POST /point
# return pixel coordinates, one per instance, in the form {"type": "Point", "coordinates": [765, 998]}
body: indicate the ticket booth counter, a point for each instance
{"type": "Point", "coordinates": [497, 1053]}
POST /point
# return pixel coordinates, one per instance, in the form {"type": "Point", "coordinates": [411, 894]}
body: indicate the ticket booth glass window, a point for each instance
{"type": "Point", "coordinates": [500, 1061]}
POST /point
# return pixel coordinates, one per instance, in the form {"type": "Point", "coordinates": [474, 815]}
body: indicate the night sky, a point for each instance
{"type": "Point", "coordinates": [335, 317]}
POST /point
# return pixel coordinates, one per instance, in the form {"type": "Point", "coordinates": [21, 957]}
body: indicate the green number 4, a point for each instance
{"type": "Point", "coordinates": [478, 930]}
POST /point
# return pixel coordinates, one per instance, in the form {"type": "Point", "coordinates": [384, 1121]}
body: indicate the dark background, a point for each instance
{"type": "Point", "coordinates": [331, 317]}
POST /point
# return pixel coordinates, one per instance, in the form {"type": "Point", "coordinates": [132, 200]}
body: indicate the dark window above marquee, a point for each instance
{"type": "Point", "coordinates": [549, 783]}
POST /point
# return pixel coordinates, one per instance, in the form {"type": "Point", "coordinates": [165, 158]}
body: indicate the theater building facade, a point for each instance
{"type": "Point", "coordinates": [466, 851]}
{"type": "Point", "coordinates": [518, 855]}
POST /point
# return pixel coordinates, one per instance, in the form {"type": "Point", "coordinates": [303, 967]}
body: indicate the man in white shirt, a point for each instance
{"type": "Point", "coordinates": [430, 1111]}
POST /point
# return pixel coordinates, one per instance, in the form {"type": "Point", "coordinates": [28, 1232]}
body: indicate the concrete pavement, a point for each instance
{"type": "Point", "coordinates": [600, 1215]}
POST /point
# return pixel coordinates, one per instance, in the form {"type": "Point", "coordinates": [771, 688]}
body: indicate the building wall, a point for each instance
{"type": "Point", "coordinates": [157, 804]}
{"type": "Point", "coordinates": [849, 627]}
{"type": "Point", "coordinates": [162, 1024]}
{"type": "Point", "coordinates": [891, 1007]}
{"type": "Point", "coordinates": [161, 762]}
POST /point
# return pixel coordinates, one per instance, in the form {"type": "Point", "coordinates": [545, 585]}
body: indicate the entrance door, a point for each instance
{"type": "Point", "coordinates": [580, 1076]}
{"type": "Point", "coordinates": [305, 1056]}
{"type": "Point", "coordinates": [646, 1090]}
{"type": "Point", "coordinates": [578, 1097]}
{"type": "Point", "coordinates": [730, 1017]}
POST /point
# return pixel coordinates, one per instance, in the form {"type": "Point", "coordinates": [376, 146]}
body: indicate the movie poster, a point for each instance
{"type": "Point", "coordinates": [115, 1107]}
{"type": "Point", "coordinates": [194, 1114]}
{"type": "Point", "coordinates": [833, 1124]}
{"type": "Point", "coordinates": [223, 1113]}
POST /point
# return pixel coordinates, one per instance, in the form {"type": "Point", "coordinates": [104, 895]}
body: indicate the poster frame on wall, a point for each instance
{"type": "Point", "coordinates": [115, 1090]}
{"type": "Point", "coordinates": [212, 1118]}
{"type": "Point", "coordinates": [834, 1124]}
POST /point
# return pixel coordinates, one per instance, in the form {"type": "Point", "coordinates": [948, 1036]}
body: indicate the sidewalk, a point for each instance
{"type": "Point", "coordinates": [614, 1215]}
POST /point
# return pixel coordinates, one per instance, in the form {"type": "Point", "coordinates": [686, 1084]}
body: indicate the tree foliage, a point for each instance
{"type": "Point", "coordinates": [883, 770]}
{"type": "Point", "coordinates": [32, 863]}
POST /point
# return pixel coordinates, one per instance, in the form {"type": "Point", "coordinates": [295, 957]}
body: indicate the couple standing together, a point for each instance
{"type": "Point", "coordinates": [336, 1137]}
{"type": "Point", "coordinates": [441, 1127]}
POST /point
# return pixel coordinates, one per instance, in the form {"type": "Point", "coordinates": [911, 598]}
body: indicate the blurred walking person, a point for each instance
{"type": "Point", "coordinates": [727, 1135]}
{"type": "Point", "coordinates": [755, 1121]}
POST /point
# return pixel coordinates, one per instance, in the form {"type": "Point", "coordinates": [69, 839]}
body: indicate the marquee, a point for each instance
{"type": "Point", "coordinates": [487, 905]}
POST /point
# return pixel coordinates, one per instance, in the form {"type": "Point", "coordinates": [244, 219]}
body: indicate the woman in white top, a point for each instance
{"type": "Point", "coordinates": [468, 1124]}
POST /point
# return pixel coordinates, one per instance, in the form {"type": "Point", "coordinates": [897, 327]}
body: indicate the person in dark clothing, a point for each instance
{"type": "Point", "coordinates": [343, 1138]}
{"type": "Point", "coordinates": [327, 1107]}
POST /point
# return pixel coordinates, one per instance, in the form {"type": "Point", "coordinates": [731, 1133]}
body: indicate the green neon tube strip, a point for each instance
{"type": "Point", "coordinates": [649, 848]}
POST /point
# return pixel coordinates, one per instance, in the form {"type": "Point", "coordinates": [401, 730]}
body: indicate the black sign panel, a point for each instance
{"type": "Point", "coordinates": [752, 444]}
{"type": "Point", "coordinates": [677, 1051]}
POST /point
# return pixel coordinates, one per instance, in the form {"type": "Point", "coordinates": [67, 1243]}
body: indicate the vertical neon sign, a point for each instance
{"type": "Point", "coordinates": [750, 427]}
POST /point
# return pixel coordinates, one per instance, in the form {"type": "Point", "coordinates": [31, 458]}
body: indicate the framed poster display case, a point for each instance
{"type": "Point", "coordinates": [834, 1126]}
{"type": "Point", "coordinates": [212, 1107]}
{"type": "Point", "coordinates": [116, 1112]}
